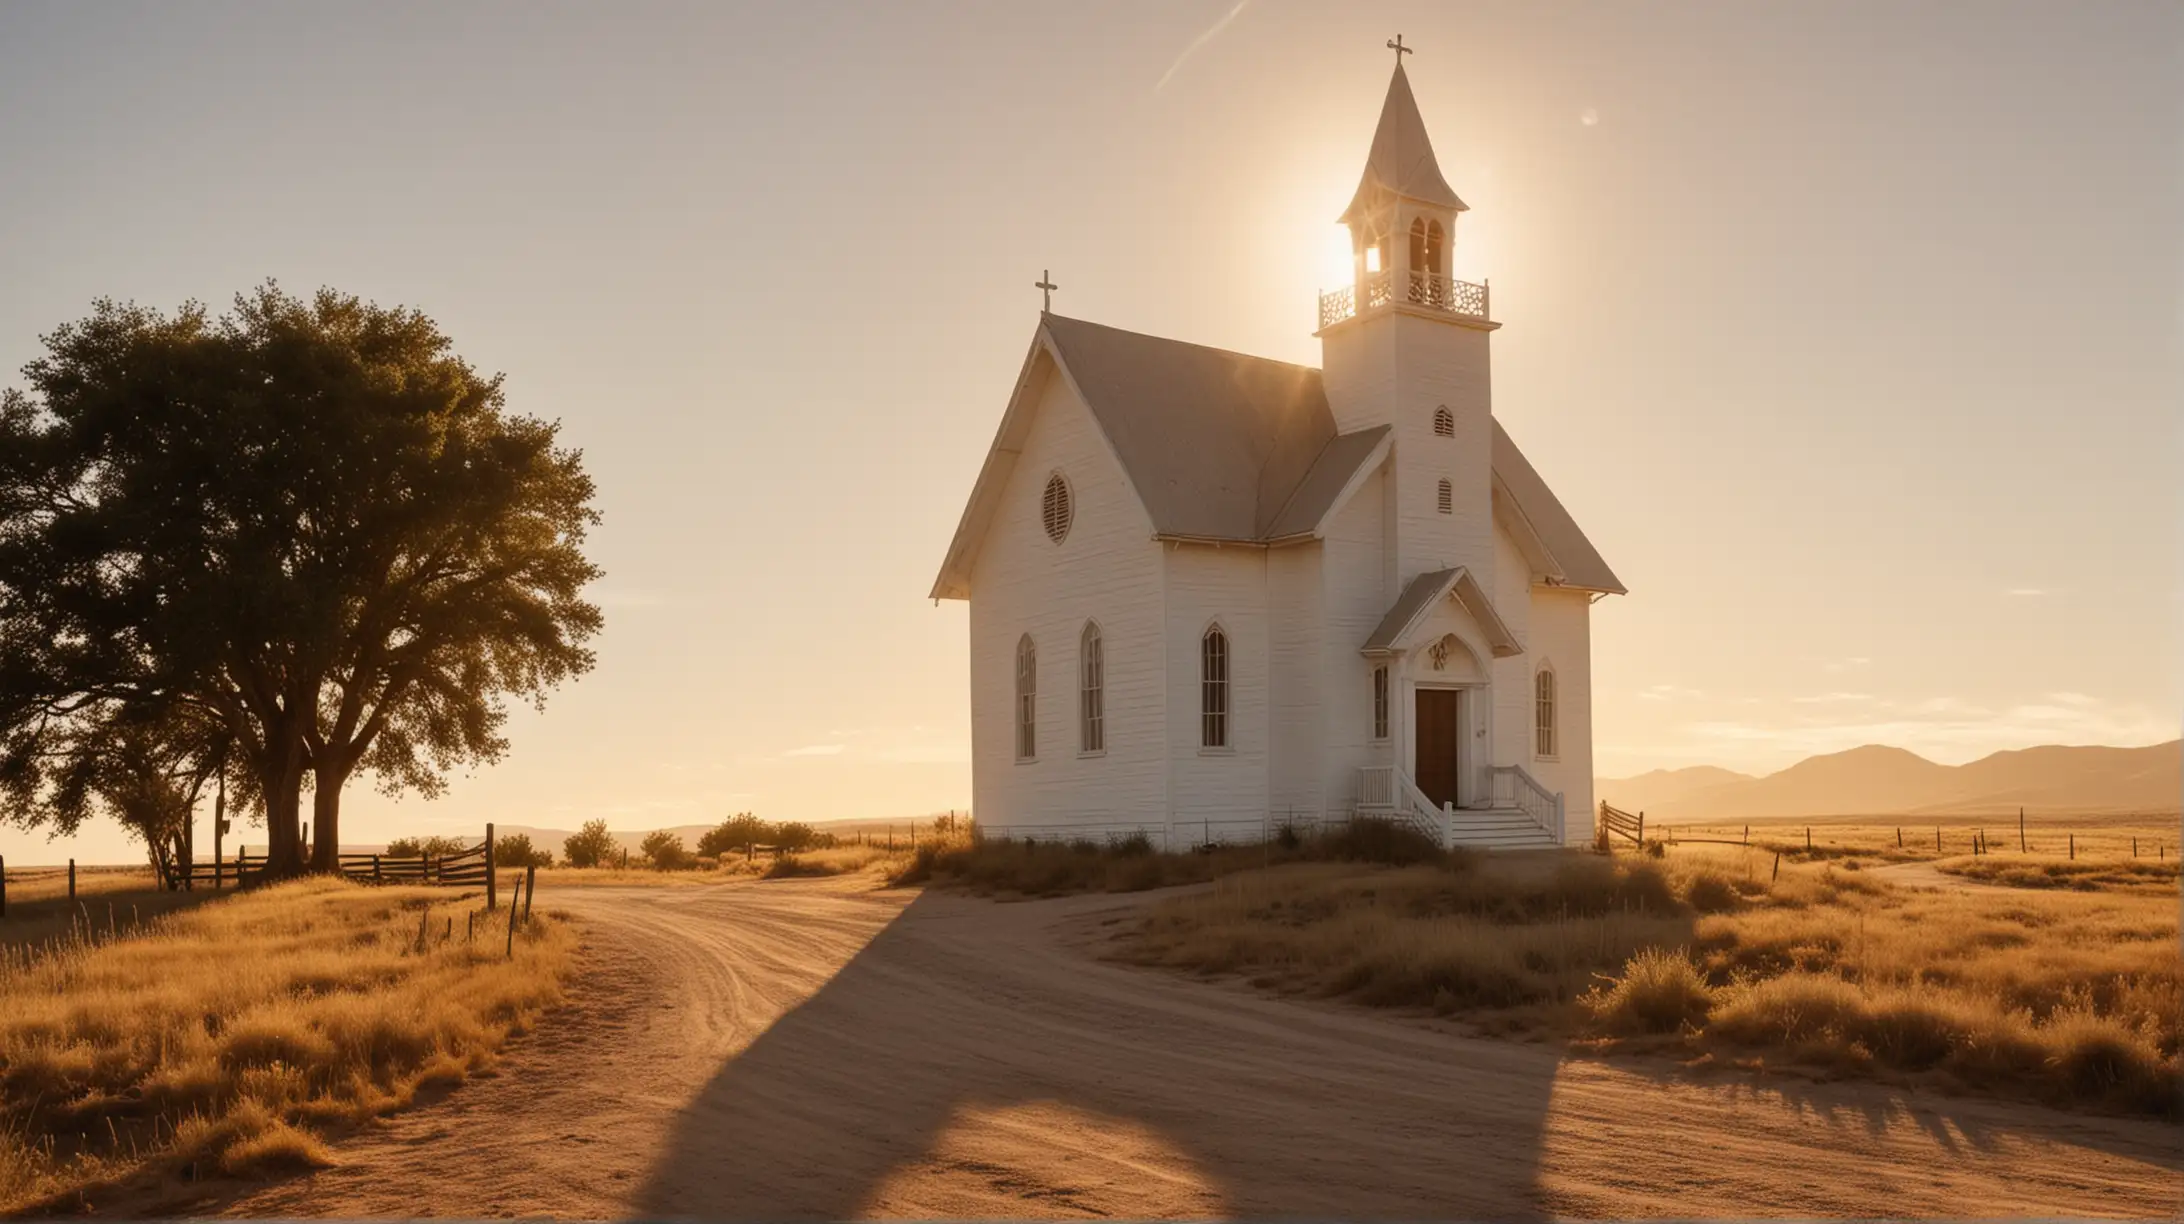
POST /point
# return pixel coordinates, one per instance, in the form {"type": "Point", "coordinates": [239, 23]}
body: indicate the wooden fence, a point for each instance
{"type": "Point", "coordinates": [1616, 822]}
{"type": "Point", "coordinates": [471, 868]}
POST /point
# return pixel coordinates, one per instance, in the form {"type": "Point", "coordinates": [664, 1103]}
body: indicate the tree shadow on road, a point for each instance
{"type": "Point", "coordinates": [966, 1062]}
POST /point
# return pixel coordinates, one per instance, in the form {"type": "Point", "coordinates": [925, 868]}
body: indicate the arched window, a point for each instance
{"type": "Point", "coordinates": [1543, 717]}
{"type": "Point", "coordinates": [1091, 692]}
{"type": "Point", "coordinates": [1420, 246]}
{"type": "Point", "coordinates": [1444, 422]}
{"type": "Point", "coordinates": [1027, 699]}
{"type": "Point", "coordinates": [1213, 694]}
{"type": "Point", "coordinates": [1436, 250]}
{"type": "Point", "coordinates": [1055, 508]}
{"type": "Point", "coordinates": [1446, 498]}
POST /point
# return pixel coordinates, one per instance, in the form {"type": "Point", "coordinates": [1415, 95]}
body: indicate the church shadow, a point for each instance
{"type": "Point", "coordinates": [968, 1061]}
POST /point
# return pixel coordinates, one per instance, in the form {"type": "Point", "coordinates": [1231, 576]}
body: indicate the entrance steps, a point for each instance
{"type": "Point", "coordinates": [1498, 829]}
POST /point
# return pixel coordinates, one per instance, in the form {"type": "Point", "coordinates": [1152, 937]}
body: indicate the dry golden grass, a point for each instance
{"type": "Point", "coordinates": [1018, 868]}
{"type": "Point", "coordinates": [834, 860]}
{"type": "Point", "coordinates": [2145, 877]}
{"type": "Point", "coordinates": [227, 1037]}
{"type": "Point", "coordinates": [35, 884]}
{"type": "Point", "coordinates": [2067, 997]}
{"type": "Point", "coordinates": [1914, 837]}
{"type": "Point", "coordinates": [597, 877]}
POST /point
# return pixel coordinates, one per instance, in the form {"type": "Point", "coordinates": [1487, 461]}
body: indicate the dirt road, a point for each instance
{"type": "Point", "coordinates": [813, 1048]}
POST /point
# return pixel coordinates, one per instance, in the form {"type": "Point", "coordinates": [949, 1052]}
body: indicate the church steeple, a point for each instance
{"type": "Point", "coordinates": [1401, 163]}
{"type": "Point", "coordinates": [1403, 225]}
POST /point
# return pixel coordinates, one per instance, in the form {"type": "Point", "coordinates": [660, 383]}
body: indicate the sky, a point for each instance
{"type": "Point", "coordinates": [1850, 332]}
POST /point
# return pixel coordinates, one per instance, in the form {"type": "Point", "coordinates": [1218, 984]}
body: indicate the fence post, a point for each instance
{"type": "Point", "coordinates": [492, 885]}
{"type": "Point", "coordinates": [530, 890]}
{"type": "Point", "coordinates": [511, 926]}
{"type": "Point", "coordinates": [1899, 837]}
{"type": "Point", "coordinates": [1641, 830]}
{"type": "Point", "coordinates": [1937, 839]}
{"type": "Point", "coordinates": [2073, 847]}
{"type": "Point", "coordinates": [1808, 839]}
{"type": "Point", "coordinates": [375, 869]}
{"type": "Point", "coordinates": [2020, 830]}
{"type": "Point", "coordinates": [71, 879]}
{"type": "Point", "coordinates": [1777, 868]}
{"type": "Point", "coordinates": [2134, 847]}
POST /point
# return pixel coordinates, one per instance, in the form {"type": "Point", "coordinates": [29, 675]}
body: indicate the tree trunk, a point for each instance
{"type": "Point", "coordinates": [283, 786]}
{"type": "Point", "coordinates": [327, 782]}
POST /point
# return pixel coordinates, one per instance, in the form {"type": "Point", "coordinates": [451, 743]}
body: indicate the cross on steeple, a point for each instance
{"type": "Point", "coordinates": [1396, 45]}
{"type": "Point", "coordinates": [1046, 287]}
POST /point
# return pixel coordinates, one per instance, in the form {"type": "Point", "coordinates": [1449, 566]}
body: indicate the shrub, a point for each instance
{"type": "Point", "coordinates": [1134, 846]}
{"type": "Point", "coordinates": [425, 847]}
{"type": "Point", "coordinates": [1711, 892]}
{"type": "Point", "coordinates": [1659, 992]}
{"type": "Point", "coordinates": [1371, 840]}
{"type": "Point", "coordinates": [516, 850]}
{"type": "Point", "coordinates": [737, 833]}
{"type": "Point", "coordinates": [794, 835]}
{"type": "Point", "coordinates": [589, 846]}
{"type": "Point", "coordinates": [666, 850]}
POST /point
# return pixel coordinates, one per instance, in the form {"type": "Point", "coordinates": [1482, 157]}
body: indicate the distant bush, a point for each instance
{"type": "Point", "coordinates": [425, 847]}
{"type": "Point", "coordinates": [590, 846]}
{"type": "Point", "coordinates": [794, 835]}
{"type": "Point", "coordinates": [736, 834]}
{"type": "Point", "coordinates": [516, 850]}
{"type": "Point", "coordinates": [666, 850]}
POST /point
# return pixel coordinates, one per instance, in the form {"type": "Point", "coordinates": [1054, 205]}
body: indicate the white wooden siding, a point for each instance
{"type": "Point", "coordinates": [1107, 569]}
{"type": "Point", "coordinates": [1222, 791]}
{"type": "Point", "coordinates": [1296, 681]}
{"type": "Point", "coordinates": [1562, 635]}
{"type": "Point", "coordinates": [1358, 591]}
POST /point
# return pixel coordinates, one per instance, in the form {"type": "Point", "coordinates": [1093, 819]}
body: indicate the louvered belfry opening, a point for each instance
{"type": "Point", "coordinates": [1055, 508]}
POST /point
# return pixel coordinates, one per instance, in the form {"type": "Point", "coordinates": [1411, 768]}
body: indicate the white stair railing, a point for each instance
{"type": "Point", "coordinates": [1376, 787]}
{"type": "Point", "coordinates": [1416, 810]}
{"type": "Point", "coordinates": [1514, 786]}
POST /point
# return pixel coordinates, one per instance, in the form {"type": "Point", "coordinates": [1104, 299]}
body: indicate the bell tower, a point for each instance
{"type": "Point", "coordinates": [1405, 345]}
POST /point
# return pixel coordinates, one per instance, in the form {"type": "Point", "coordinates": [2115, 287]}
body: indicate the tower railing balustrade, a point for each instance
{"type": "Point", "coordinates": [1428, 289]}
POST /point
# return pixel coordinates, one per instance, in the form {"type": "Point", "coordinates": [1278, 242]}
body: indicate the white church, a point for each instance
{"type": "Point", "coordinates": [1211, 593]}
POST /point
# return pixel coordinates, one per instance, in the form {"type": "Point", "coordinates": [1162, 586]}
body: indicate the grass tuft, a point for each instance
{"type": "Point", "coordinates": [1659, 991]}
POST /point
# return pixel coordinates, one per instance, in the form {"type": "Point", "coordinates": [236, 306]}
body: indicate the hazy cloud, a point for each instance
{"type": "Point", "coordinates": [815, 750]}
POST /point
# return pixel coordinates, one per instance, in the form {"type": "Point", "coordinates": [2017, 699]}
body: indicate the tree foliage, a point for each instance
{"type": "Point", "coordinates": [739, 832]}
{"type": "Point", "coordinates": [666, 850]}
{"type": "Point", "coordinates": [435, 846]}
{"type": "Point", "coordinates": [516, 850]}
{"type": "Point", "coordinates": [590, 846]}
{"type": "Point", "coordinates": [306, 531]}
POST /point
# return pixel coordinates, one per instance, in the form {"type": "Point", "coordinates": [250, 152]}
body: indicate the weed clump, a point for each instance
{"type": "Point", "coordinates": [1659, 991]}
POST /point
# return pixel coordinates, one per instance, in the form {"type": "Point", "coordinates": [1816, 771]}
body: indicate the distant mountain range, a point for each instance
{"type": "Point", "coordinates": [1877, 780]}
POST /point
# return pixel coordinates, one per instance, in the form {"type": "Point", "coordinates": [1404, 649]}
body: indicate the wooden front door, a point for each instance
{"type": "Point", "coordinates": [1440, 743]}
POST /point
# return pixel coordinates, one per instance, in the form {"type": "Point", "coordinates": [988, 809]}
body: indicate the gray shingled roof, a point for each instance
{"type": "Point", "coordinates": [1225, 447]}
{"type": "Point", "coordinates": [1430, 588]}
{"type": "Point", "coordinates": [1215, 442]}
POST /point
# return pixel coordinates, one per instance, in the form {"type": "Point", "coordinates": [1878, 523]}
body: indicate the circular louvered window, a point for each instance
{"type": "Point", "coordinates": [1055, 509]}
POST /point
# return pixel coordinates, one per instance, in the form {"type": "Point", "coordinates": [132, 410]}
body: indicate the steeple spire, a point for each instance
{"type": "Point", "coordinates": [1401, 162]}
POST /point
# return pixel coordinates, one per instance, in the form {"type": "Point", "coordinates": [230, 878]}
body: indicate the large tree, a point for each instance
{"type": "Point", "coordinates": [308, 522]}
